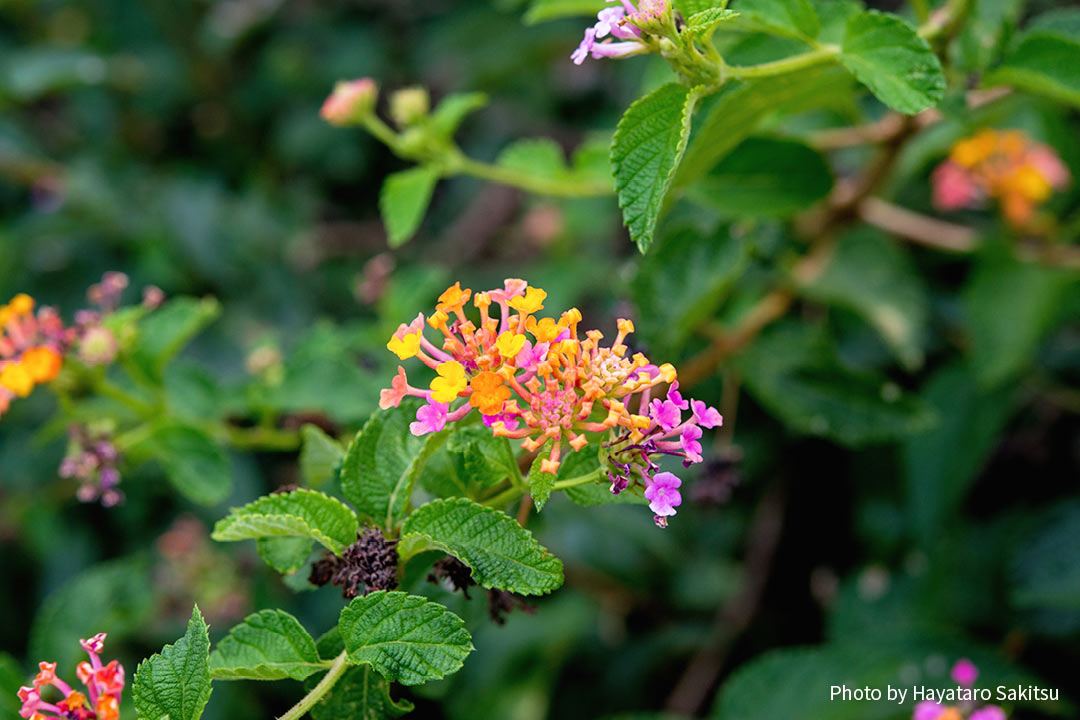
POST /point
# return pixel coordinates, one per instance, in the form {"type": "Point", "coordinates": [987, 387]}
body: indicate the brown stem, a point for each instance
{"type": "Point", "coordinates": [918, 228]}
{"type": "Point", "coordinates": [523, 509]}
{"type": "Point", "coordinates": [695, 685]}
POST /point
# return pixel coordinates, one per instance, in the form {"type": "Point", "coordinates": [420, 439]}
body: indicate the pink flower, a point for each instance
{"type": "Point", "coordinates": [663, 496]}
{"type": "Point", "coordinates": [530, 356]}
{"type": "Point", "coordinates": [95, 644]}
{"type": "Point", "coordinates": [665, 413]}
{"type": "Point", "coordinates": [1049, 165]}
{"type": "Point", "coordinates": [350, 102]}
{"type": "Point", "coordinates": [508, 419]}
{"type": "Point", "coordinates": [990, 712]}
{"type": "Point", "coordinates": [964, 672]}
{"type": "Point", "coordinates": [399, 387]}
{"type": "Point", "coordinates": [429, 418]}
{"type": "Point", "coordinates": [690, 444]}
{"type": "Point", "coordinates": [674, 396]}
{"type": "Point", "coordinates": [953, 187]}
{"type": "Point", "coordinates": [587, 43]}
{"type": "Point", "coordinates": [706, 416]}
{"type": "Point", "coordinates": [928, 710]}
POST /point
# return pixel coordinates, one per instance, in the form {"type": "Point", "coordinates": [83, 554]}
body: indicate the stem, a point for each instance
{"type": "Point", "coordinates": [113, 392]}
{"type": "Point", "coordinates": [579, 480]}
{"type": "Point", "coordinates": [921, 8]}
{"type": "Point", "coordinates": [529, 183]}
{"type": "Point", "coordinates": [505, 497]}
{"type": "Point", "coordinates": [786, 65]}
{"type": "Point", "coordinates": [329, 680]}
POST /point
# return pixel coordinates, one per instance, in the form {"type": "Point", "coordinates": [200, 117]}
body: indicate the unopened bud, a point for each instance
{"type": "Point", "coordinates": [409, 105]}
{"type": "Point", "coordinates": [350, 102]}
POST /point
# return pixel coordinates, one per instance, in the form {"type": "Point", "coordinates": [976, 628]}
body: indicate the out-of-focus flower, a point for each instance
{"type": "Point", "coordinates": [1004, 165]}
{"type": "Point", "coordinates": [92, 459]}
{"type": "Point", "coordinates": [104, 684]}
{"type": "Point", "coordinates": [409, 105]}
{"type": "Point", "coordinates": [191, 566]}
{"type": "Point", "coordinates": [553, 391]}
{"type": "Point", "coordinates": [618, 31]}
{"type": "Point", "coordinates": [964, 673]}
{"type": "Point", "coordinates": [350, 102]}
{"type": "Point", "coordinates": [32, 346]}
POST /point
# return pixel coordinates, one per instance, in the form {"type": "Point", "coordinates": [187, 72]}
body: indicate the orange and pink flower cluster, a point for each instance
{"type": "Point", "coordinates": [535, 379]}
{"type": "Point", "coordinates": [104, 684]}
{"type": "Point", "coordinates": [31, 348]}
{"type": "Point", "coordinates": [1005, 165]}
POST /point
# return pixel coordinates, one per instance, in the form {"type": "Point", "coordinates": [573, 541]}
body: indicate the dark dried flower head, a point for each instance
{"type": "Point", "coordinates": [367, 565]}
{"type": "Point", "coordinates": [454, 571]}
{"type": "Point", "coordinates": [322, 570]}
{"type": "Point", "coordinates": [501, 603]}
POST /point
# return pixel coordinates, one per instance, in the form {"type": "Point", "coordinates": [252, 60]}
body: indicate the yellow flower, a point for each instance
{"type": "Point", "coordinates": [509, 344]}
{"type": "Point", "coordinates": [1029, 182]}
{"type": "Point", "coordinates": [43, 364]}
{"type": "Point", "coordinates": [450, 382]}
{"type": "Point", "coordinates": [454, 298]}
{"type": "Point", "coordinates": [405, 347]}
{"type": "Point", "coordinates": [974, 150]}
{"type": "Point", "coordinates": [17, 379]}
{"type": "Point", "coordinates": [438, 320]}
{"type": "Point", "coordinates": [532, 302]}
{"type": "Point", "coordinates": [21, 304]}
{"type": "Point", "coordinates": [488, 393]}
{"type": "Point", "coordinates": [546, 330]}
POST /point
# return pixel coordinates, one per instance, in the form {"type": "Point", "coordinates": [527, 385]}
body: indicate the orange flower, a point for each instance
{"type": "Point", "coordinates": [454, 298]}
{"type": "Point", "coordinates": [42, 363]}
{"type": "Point", "coordinates": [488, 393]}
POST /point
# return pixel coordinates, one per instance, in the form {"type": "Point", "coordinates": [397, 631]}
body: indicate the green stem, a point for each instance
{"type": "Point", "coordinates": [381, 131]}
{"type": "Point", "coordinates": [113, 392]}
{"type": "Point", "coordinates": [823, 54]}
{"type": "Point", "coordinates": [537, 185]}
{"type": "Point", "coordinates": [505, 497]}
{"type": "Point", "coordinates": [329, 680]}
{"type": "Point", "coordinates": [921, 8]}
{"type": "Point", "coordinates": [579, 480]}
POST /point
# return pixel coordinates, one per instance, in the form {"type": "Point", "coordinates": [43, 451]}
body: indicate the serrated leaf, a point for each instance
{"type": "Point", "coordinates": [889, 57]}
{"type": "Point", "coordinates": [360, 694]}
{"type": "Point", "coordinates": [284, 554]}
{"type": "Point", "coordinates": [765, 177]}
{"type": "Point", "coordinates": [407, 638]}
{"type": "Point", "coordinates": [175, 683]}
{"type": "Point", "coordinates": [540, 157]}
{"type": "Point", "coordinates": [382, 463]}
{"type": "Point", "coordinates": [454, 108]}
{"type": "Point", "coordinates": [300, 513]}
{"type": "Point", "coordinates": [320, 456]}
{"type": "Point", "coordinates": [648, 144]}
{"type": "Point", "coordinates": [540, 483]}
{"type": "Point", "coordinates": [195, 465]}
{"type": "Point", "coordinates": [404, 200]}
{"type": "Point", "coordinates": [792, 370]}
{"type": "Point", "coordinates": [794, 18]}
{"type": "Point", "coordinates": [1043, 61]}
{"type": "Point", "coordinates": [502, 554]}
{"type": "Point", "coordinates": [739, 110]}
{"type": "Point", "coordinates": [874, 277]}
{"type": "Point", "coordinates": [702, 25]}
{"type": "Point", "coordinates": [267, 645]}
{"type": "Point", "coordinates": [165, 331]}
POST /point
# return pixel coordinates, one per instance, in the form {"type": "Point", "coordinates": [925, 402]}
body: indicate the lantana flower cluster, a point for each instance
{"type": "Point", "coordinates": [964, 673]}
{"type": "Point", "coordinates": [1006, 165]}
{"type": "Point", "coordinates": [536, 380]}
{"type": "Point", "coordinates": [104, 684]}
{"type": "Point", "coordinates": [92, 459]}
{"type": "Point", "coordinates": [618, 30]}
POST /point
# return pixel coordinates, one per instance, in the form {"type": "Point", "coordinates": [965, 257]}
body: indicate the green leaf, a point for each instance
{"type": "Point", "coordinates": [360, 694]}
{"type": "Point", "coordinates": [1043, 61]}
{"type": "Point", "coordinates": [792, 370]}
{"type": "Point", "coordinates": [320, 456]}
{"type": "Point", "coordinates": [195, 465]}
{"type": "Point", "coordinates": [284, 554]}
{"type": "Point", "coordinates": [404, 200]}
{"type": "Point", "coordinates": [873, 276]}
{"type": "Point", "coordinates": [981, 38]}
{"type": "Point", "coordinates": [300, 513]}
{"type": "Point", "coordinates": [382, 463]}
{"type": "Point", "coordinates": [502, 554]}
{"type": "Point", "coordinates": [765, 177]}
{"type": "Point", "coordinates": [1045, 567]}
{"type": "Point", "coordinates": [584, 462]}
{"type": "Point", "coordinates": [889, 57]}
{"type": "Point", "coordinates": [941, 463]}
{"type": "Point", "coordinates": [701, 25]}
{"type": "Point", "coordinates": [165, 331]}
{"type": "Point", "coordinates": [545, 10]}
{"type": "Point", "coordinates": [1011, 305]}
{"type": "Point", "coordinates": [645, 152]}
{"type": "Point", "coordinates": [175, 683]}
{"type": "Point", "coordinates": [834, 16]}
{"type": "Point", "coordinates": [540, 483]}
{"type": "Point", "coordinates": [539, 157]}
{"type": "Point", "coordinates": [454, 108]}
{"type": "Point", "coordinates": [267, 645]}
{"type": "Point", "coordinates": [794, 18]}
{"type": "Point", "coordinates": [689, 275]}
{"type": "Point", "coordinates": [407, 638]}
{"type": "Point", "coordinates": [484, 458]}
{"type": "Point", "coordinates": [738, 110]}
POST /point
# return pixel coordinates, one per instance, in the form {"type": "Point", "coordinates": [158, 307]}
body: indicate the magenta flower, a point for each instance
{"type": "Point", "coordinates": [964, 672]}
{"type": "Point", "coordinates": [429, 418]}
{"type": "Point", "coordinates": [618, 22]}
{"type": "Point", "coordinates": [990, 712]}
{"type": "Point", "coordinates": [665, 413]}
{"type": "Point", "coordinates": [928, 710]}
{"type": "Point", "coordinates": [674, 396]}
{"type": "Point", "coordinates": [706, 416]}
{"type": "Point", "coordinates": [508, 419]}
{"type": "Point", "coordinates": [690, 445]}
{"type": "Point", "coordinates": [663, 496]}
